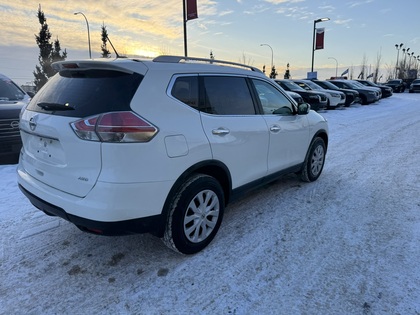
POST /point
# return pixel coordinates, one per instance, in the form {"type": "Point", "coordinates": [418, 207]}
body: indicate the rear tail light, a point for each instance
{"type": "Point", "coordinates": [121, 127]}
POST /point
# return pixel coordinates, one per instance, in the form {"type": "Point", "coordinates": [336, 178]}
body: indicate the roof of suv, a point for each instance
{"type": "Point", "coordinates": [164, 62]}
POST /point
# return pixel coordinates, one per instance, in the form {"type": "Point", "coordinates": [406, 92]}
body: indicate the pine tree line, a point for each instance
{"type": "Point", "coordinates": [50, 51]}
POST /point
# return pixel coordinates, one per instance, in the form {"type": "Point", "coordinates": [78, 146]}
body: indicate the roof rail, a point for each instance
{"type": "Point", "coordinates": [177, 59]}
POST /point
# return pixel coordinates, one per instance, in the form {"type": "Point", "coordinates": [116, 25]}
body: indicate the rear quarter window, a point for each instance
{"type": "Point", "coordinates": [90, 92]}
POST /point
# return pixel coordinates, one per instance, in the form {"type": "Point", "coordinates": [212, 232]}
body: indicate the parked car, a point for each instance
{"type": "Point", "coordinates": [12, 99]}
{"type": "Point", "coordinates": [397, 85]}
{"type": "Point", "coordinates": [385, 90]}
{"type": "Point", "coordinates": [377, 90]}
{"type": "Point", "coordinates": [367, 95]}
{"type": "Point", "coordinates": [296, 97]}
{"type": "Point", "coordinates": [352, 96]}
{"type": "Point", "coordinates": [415, 86]}
{"type": "Point", "coordinates": [335, 98]}
{"type": "Point", "coordinates": [317, 100]}
{"type": "Point", "coordinates": [162, 145]}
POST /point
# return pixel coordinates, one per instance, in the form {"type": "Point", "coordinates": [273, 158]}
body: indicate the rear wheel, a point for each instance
{"type": "Point", "coordinates": [363, 100]}
{"type": "Point", "coordinates": [195, 215]}
{"type": "Point", "coordinates": [314, 162]}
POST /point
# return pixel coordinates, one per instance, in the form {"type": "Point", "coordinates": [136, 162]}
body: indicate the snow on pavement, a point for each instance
{"type": "Point", "coordinates": [345, 244]}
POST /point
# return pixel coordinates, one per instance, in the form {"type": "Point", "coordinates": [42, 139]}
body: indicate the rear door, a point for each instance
{"type": "Point", "coordinates": [52, 153]}
{"type": "Point", "coordinates": [238, 137]}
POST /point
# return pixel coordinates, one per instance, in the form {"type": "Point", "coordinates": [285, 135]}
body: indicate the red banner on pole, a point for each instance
{"type": "Point", "coordinates": [191, 9]}
{"type": "Point", "coordinates": [319, 38]}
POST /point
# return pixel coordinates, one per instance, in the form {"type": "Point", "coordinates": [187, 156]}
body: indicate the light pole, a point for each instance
{"type": "Point", "coordinates": [272, 54]}
{"type": "Point", "coordinates": [398, 47]}
{"type": "Point", "coordinates": [336, 65]}
{"type": "Point", "coordinates": [313, 39]}
{"type": "Point", "coordinates": [87, 24]}
{"type": "Point", "coordinates": [409, 62]}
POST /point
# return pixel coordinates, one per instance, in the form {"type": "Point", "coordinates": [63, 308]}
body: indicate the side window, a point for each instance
{"type": "Point", "coordinates": [185, 89]}
{"type": "Point", "coordinates": [272, 100]}
{"type": "Point", "coordinates": [225, 95]}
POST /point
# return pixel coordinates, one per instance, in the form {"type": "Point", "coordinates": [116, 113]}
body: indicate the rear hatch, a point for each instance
{"type": "Point", "coordinates": [52, 152]}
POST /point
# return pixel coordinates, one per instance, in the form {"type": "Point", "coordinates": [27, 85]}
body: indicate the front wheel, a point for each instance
{"type": "Point", "coordinates": [314, 161]}
{"type": "Point", "coordinates": [195, 215]}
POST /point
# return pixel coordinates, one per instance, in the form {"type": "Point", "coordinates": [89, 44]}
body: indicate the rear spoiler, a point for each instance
{"type": "Point", "coordinates": [77, 65]}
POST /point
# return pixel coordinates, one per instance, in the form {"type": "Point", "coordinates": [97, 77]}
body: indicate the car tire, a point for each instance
{"type": "Point", "coordinates": [195, 214]}
{"type": "Point", "coordinates": [363, 100]}
{"type": "Point", "coordinates": [314, 161]}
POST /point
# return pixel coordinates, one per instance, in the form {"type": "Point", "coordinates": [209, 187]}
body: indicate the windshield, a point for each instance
{"type": "Point", "coordinates": [328, 85]}
{"type": "Point", "coordinates": [291, 85]}
{"type": "Point", "coordinates": [313, 86]}
{"type": "Point", "coordinates": [9, 91]}
{"type": "Point", "coordinates": [358, 84]}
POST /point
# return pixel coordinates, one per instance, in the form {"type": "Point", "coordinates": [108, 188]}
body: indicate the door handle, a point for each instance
{"type": "Point", "coordinates": [220, 131]}
{"type": "Point", "coordinates": [275, 128]}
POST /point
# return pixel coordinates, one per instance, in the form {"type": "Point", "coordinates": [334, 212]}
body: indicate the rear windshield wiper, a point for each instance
{"type": "Point", "coordinates": [55, 106]}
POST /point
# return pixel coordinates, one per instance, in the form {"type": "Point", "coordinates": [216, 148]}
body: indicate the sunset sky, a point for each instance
{"type": "Point", "coordinates": [233, 29]}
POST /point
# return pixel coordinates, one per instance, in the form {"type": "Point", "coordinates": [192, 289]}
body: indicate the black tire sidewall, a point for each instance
{"type": "Point", "coordinates": [180, 205]}
{"type": "Point", "coordinates": [307, 172]}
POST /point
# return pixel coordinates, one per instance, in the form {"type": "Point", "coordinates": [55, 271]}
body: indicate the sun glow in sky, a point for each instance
{"type": "Point", "coordinates": [232, 29]}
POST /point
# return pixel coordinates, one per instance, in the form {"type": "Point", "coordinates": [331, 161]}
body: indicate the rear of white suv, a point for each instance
{"type": "Point", "coordinates": [128, 146]}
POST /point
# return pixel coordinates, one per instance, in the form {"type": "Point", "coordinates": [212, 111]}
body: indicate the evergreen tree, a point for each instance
{"type": "Point", "coordinates": [49, 52]}
{"type": "Point", "coordinates": [273, 73]}
{"type": "Point", "coordinates": [287, 73]}
{"type": "Point", "coordinates": [104, 38]}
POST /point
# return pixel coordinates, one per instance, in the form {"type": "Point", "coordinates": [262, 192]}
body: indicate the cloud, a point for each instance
{"type": "Point", "coordinates": [223, 13]}
{"type": "Point", "coordinates": [129, 22]}
{"type": "Point", "coordinates": [358, 3]}
{"type": "Point", "coordinates": [341, 22]}
{"type": "Point", "coordinates": [327, 8]}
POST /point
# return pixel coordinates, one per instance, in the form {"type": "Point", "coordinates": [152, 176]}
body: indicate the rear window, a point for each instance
{"type": "Point", "coordinates": [89, 92]}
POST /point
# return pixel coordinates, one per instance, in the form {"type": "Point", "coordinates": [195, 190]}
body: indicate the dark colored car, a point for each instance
{"type": "Point", "coordinates": [317, 100]}
{"type": "Point", "coordinates": [386, 90]}
{"type": "Point", "coordinates": [352, 96]}
{"type": "Point", "coordinates": [415, 86]}
{"type": "Point", "coordinates": [298, 99]}
{"type": "Point", "coordinates": [12, 99]}
{"type": "Point", "coordinates": [367, 95]}
{"type": "Point", "coordinates": [397, 85]}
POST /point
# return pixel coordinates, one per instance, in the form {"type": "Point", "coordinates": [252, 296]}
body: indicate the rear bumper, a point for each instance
{"type": "Point", "coordinates": [109, 208]}
{"type": "Point", "coordinates": [152, 224]}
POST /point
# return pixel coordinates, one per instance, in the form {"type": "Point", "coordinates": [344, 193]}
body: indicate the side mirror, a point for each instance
{"type": "Point", "coordinates": [304, 108]}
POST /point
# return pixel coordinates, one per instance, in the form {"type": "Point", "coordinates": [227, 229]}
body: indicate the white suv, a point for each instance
{"type": "Point", "coordinates": [161, 146]}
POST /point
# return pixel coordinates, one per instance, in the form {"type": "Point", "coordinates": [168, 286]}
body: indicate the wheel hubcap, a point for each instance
{"type": "Point", "coordinates": [201, 216]}
{"type": "Point", "coordinates": [317, 160]}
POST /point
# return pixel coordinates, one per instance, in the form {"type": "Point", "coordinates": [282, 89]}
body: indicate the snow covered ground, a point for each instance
{"type": "Point", "coordinates": [348, 243]}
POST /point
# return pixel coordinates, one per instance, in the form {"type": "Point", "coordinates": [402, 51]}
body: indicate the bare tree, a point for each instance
{"type": "Point", "coordinates": [245, 60]}
{"type": "Point", "coordinates": [377, 66]}
{"type": "Point", "coordinates": [363, 68]}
